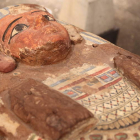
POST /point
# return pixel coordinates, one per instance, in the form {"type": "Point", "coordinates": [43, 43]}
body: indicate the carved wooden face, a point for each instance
{"type": "Point", "coordinates": [34, 37]}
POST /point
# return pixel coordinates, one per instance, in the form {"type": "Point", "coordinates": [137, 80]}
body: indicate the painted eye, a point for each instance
{"type": "Point", "coordinates": [18, 28]}
{"type": "Point", "coordinates": [49, 18]}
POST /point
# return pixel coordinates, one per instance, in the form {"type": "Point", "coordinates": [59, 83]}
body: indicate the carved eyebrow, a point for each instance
{"type": "Point", "coordinates": [36, 11]}
{"type": "Point", "coordinates": [3, 38]}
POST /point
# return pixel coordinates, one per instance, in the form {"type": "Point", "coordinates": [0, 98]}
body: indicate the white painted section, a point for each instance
{"type": "Point", "coordinates": [1, 102]}
{"type": "Point", "coordinates": [8, 124]}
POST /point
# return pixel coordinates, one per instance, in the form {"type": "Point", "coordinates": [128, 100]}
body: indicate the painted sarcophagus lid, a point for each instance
{"type": "Point", "coordinates": [58, 82]}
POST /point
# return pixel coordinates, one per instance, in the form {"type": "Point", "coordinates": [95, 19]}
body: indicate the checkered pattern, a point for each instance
{"type": "Point", "coordinates": [110, 106]}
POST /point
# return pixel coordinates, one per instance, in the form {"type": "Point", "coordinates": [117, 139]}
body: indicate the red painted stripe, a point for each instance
{"type": "Point", "coordinates": [110, 84]}
{"type": "Point", "coordinates": [101, 88]}
{"type": "Point", "coordinates": [74, 83]}
{"type": "Point", "coordinates": [113, 72]}
{"type": "Point", "coordinates": [81, 97]}
{"type": "Point", "coordinates": [84, 79]}
{"type": "Point", "coordinates": [99, 72]}
{"type": "Point", "coordinates": [70, 93]}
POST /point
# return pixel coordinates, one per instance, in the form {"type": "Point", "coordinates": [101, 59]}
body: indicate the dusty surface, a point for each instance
{"type": "Point", "coordinates": [129, 67]}
{"type": "Point", "coordinates": [23, 117]}
{"type": "Point", "coordinates": [96, 55]}
{"type": "Point", "coordinates": [46, 111]}
{"type": "Point", "coordinates": [25, 110]}
{"type": "Point", "coordinates": [79, 55]}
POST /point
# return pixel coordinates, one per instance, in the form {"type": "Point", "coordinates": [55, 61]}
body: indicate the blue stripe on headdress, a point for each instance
{"type": "Point", "coordinates": [6, 8]}
{"type": "Point", "coordinates": [7, 11]}
{"type": "Point", "coordinates": [2, 14]}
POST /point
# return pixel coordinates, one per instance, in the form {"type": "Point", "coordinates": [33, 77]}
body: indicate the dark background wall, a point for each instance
{"type": "Point", "coordinates": [127, 15]}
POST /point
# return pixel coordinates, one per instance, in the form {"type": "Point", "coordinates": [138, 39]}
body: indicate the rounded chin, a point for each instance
{"type": "Point", "coordinates": [42, 56]}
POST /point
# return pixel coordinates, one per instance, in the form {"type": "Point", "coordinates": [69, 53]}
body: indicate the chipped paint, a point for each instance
{"type": "Point", "coordinates": [8, 124]}
{"type": "Point", "coordinates": [1, 102]}
{"type": "Point", "coordinates": [33, 136]}
{"type": "Point", "coordinates": [65, 78]}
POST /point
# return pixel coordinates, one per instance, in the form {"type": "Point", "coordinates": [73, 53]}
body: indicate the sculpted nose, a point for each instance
{"type": "Point", "coordinates": [40, 21]}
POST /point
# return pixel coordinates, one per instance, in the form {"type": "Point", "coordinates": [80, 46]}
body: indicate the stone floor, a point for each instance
{"type": "Point", "coordinates": [126, 16]}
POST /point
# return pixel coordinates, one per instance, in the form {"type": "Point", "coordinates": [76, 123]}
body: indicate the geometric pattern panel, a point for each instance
{"type": "Point", "coordinates": [110, 97]}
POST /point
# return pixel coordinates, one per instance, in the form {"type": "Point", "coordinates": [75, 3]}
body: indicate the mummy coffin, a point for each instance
{"type": "Point", "coordinates": [58, 82]}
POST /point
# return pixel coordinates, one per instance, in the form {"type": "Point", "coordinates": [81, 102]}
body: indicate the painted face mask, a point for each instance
{"type": "Point", "coordinates": [31, 35]}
